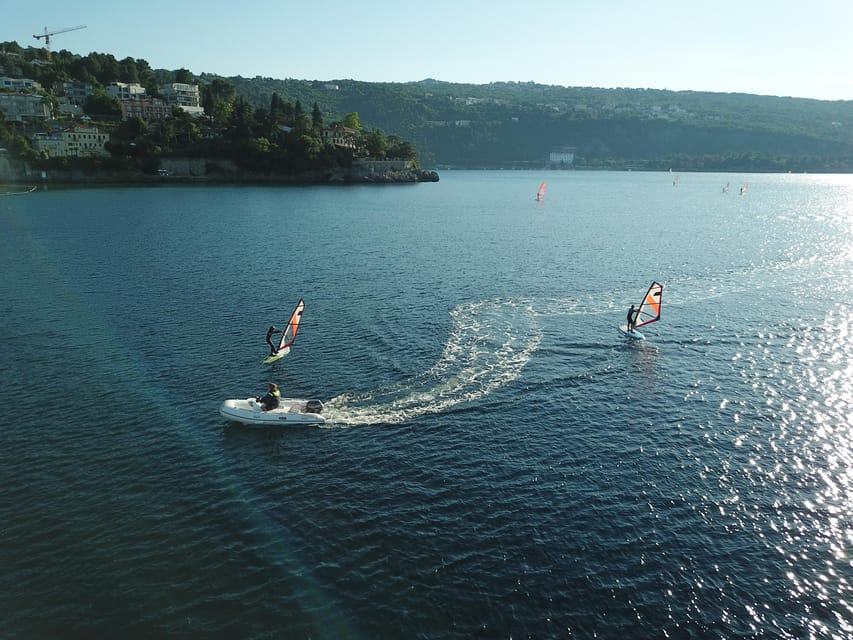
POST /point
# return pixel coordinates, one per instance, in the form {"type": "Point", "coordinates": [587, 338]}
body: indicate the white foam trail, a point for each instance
{"type": "Point", "coordinates": [489, 344]}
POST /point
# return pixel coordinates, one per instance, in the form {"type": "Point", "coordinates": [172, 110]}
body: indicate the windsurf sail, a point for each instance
{"type": "Point", "coordinates": [649, 309]}
{"type": "Point", "coordinates": [288, 336]}
{"type": "Point", "coordinates": [540, 194]}
{"type": "Point", "coordinates": [744, 188]}
{"type": "Point", "coordinates": [726, 188]}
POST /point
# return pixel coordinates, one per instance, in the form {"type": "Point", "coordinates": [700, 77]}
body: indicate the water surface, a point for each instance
{"type": "Point", "coordinates": [499, 462]}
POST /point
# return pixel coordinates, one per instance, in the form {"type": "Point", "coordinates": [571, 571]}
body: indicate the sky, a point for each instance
{"type": "Point", "coordinates": [762, 47]}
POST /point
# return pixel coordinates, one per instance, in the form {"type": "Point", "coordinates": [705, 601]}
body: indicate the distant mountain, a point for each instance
{"type": "Point", "coordinates": [510, 124]}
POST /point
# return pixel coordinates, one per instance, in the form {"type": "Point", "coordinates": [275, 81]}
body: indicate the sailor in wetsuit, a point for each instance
{"type": "Point", "coordinates": [270, 399]}
{"type": "Point", "coordinates": [272, 330]}
{"type": "Point", "coordinates": [632, 318]}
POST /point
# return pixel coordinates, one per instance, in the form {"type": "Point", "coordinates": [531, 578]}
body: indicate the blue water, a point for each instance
{"type": "Point", "coordinates": [499, 462]}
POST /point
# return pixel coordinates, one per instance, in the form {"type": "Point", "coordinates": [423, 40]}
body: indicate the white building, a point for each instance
{"type": "Point", "coordinates": [339, 136]}
{"type": "Point", "coordinates": [19, 84]}
{"type": "Point", "coordinates": [125, 91]}
{"type": "Point", "coordinates": [181, 94]}
{"type": "Point", "coordinates": [76, 142]}
{"type": "Point", "coordinates": [562, 157]}
{"type": "Point", "coordinates": [22, 107]}
{"type": "Point", "coordinates": [77, 91]}
{"type": "Point", "coordinates": [185, 96]}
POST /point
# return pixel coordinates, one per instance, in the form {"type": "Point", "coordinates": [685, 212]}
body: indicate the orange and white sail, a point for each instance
{"type": "Point", "coordinates": [650, 307]}
{"type": "Point", "coordinates": [288, 336]}
{"type": "Point", "coordinates": [540, 194]}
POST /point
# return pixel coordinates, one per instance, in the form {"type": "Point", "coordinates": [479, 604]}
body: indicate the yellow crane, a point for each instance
{"type": "Point", "coordinates": [46, 35]}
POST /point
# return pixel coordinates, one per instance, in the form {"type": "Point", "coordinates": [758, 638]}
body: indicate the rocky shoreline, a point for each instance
{"type": "Point", "coordinates": [200, 170]}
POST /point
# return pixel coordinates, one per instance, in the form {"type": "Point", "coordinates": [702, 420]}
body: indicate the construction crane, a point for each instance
{"type": "Point", "coordinates": [46, 35]}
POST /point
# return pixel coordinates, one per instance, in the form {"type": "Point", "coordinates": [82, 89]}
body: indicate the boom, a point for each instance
{"type": "Point", "coordinates": [46, 35]}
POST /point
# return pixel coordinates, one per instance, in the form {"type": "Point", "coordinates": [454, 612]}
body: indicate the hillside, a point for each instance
{"type": "Point", "coordinates": [516, 124]}
{"type": "Point", "coordinates": [510, 124]}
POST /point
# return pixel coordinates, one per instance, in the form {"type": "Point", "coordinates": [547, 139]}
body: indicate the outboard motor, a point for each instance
{"type": "Point", "coordinates": [313, 406]}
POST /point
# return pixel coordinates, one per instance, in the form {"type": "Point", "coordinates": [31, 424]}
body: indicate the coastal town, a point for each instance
{"type": "Point", "coordinates": [72, 134]}
{"type": "Point", "coordinates": [74, 130]}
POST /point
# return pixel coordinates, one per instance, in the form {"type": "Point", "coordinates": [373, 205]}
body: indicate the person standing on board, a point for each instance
{"type": "Point", "coordinates": [272, 330]}
{"type": "Point", "coordinates": [270, 399]}
{"type": "Point", "coordinates": [632, 318]}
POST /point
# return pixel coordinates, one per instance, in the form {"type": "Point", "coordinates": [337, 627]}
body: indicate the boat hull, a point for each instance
{"type": "Point", "coordinates": [290, 412]}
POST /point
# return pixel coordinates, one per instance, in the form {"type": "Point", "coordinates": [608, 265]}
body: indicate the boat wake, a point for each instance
{"type": "Point", "coordinates": [15, 191]}
{"type": "Point", "coordinates": [489, 344]}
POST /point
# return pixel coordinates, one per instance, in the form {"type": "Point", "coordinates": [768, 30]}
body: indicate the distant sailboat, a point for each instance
{"type": "Point", "coordinates": [726, 188]}
{"type": "Point", "coordinates": [744, 188]}
{"type": "Point", "coordinates": [540, 194]}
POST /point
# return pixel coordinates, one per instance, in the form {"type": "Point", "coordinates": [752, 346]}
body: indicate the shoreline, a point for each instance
{"type": "Point", "coordinates": [206, 171]}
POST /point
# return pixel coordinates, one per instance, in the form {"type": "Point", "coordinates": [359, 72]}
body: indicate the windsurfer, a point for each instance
{"type": "Point", "coordinates": [270, 399]}
{"type": "Point", "coordinates": [272, 330]}
{"type": "Point", "coordinates": [632, 318]}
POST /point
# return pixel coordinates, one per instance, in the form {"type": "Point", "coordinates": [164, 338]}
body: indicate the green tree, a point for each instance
{"type": "Point", "coordinates": [401, 149]}
{"type": "Point", "coordinates": [101, 105]}
{"type": "Point", "coordinates": [187, 130]}
{"type": "Point", "coordinates": [147, 77]}
{"type": "Point", "coordinates": [316, 117]}
{"type": "Point", "coordinates": [5, 134]}
{"type": "Point", "coordinates": [376, 144]}
{"type": "Point", "coordinates": [352, 121]}
{"type": "Point", "coordinates": [307, 147]}
{"type": "Point", "coordinates": [131, 130]}
{"type": "Point", "coordinates": [303, 122]}
{"type": "Point", "coordinates": [288, 114]}
{"type": "Point", "coordinates": [218, 100]}
{"type": "Point", "coordinates": [167, 132]}
{"type": "Point", "coordinates": [52, 103]}
{"type": "Point", "coordinates": [184, 76]}
{"type": "Point", "coordinates": [127, 71]}
{"type": "Point", "coordinates": [242, 121]}
{"type": "Point", "coordinates": [106, 68]}
{"type": "Point", "coordinates": [263, 145]}
{"type": "Point", "coordinates": [82, 69]}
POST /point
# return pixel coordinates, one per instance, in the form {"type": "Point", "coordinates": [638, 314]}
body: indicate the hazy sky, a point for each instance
{"type": "Point", "coordinates": [767, 47]}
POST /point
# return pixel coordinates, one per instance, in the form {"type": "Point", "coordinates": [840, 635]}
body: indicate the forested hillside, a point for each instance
{"type": "Point", "coordinates": [518, 124]}
{"type": "Point", "coordinates": [511, 124]}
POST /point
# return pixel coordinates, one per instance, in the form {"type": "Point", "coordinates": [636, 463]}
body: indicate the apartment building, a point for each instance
{"type": "Point", "coordinates": [75, 142]}
{"type": "Point", "coordinates": [22, 107]}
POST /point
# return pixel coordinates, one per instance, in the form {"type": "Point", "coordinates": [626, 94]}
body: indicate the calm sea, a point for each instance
{"type": "Point", "coordinates": [500, 462]}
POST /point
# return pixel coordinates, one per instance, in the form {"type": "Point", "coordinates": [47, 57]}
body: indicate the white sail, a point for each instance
{"type": "Point", "coordinates": [288, 336]}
